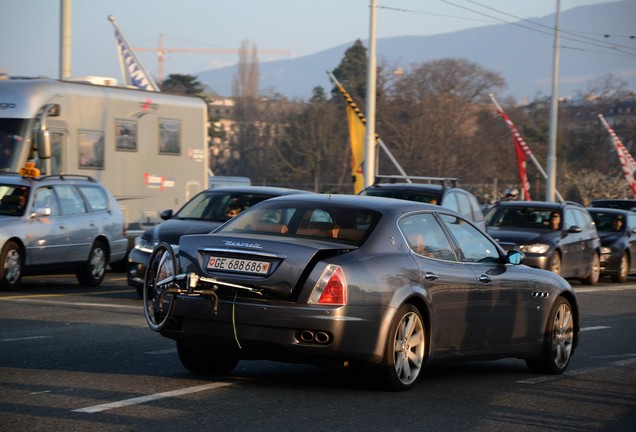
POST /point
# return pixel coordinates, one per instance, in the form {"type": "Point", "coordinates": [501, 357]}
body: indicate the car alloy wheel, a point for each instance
{"type": "Point", "coordinates": [559, 341]}
{"type": "Point", "coordinates": [623, 270]}
{"type": "Point", "coordinates": [406, 349]}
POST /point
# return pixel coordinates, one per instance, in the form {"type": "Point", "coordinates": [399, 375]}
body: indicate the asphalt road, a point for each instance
{"type": "Point", "coordinates": [73, 359]}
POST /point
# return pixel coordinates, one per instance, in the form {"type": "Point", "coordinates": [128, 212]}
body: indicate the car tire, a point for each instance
{"type": "Point", "coordinates": [623, 270]}
{"type": "Point", "coordinates": [405, 351]}
{"type": "Point", "coordinates": [558, 341]}
{"type": "Point", "coordinates": [10, 266]}
{"type": "Point", "coordinates": [206, 359]}
{"type": "Point", "coordinates": [554, 264]}
{"type": "Point", "coordinates": [594, 271]}
{"type": "Point", "coordinates": [93, 271]}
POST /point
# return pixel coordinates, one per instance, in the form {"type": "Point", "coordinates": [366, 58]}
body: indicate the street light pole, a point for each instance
{"type": "Point", "coordinates": [554, 114]}
{"type": "Point", "coordinates": [65, 39]}
{"type": "Point", "coordinates": [369, 142]}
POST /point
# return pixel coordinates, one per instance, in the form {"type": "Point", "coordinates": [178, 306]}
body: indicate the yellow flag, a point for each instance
{"type": "Point", "coordinates": [357, 131]}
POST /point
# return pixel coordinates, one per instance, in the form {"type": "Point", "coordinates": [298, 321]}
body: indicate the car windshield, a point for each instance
{"type": "Point", "coordinates": [13, 199]}
{"type": "Point", "coordinates": [219, 206]}
{"type": "Point", "coordinates": [519, 217]}
{"type": "Point", "coordinates": [423, 197]}
{"type": "Point", "coordinates": [11, 142]}
{"type": "Point", "coordinates": [324, 222]}
{"type": "Point", "coordinates": [609, 222]}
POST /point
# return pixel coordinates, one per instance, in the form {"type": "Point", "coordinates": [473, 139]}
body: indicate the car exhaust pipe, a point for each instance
{"type": "Point", "coordinates": [307, 336]}
{"type": "Point", "coordinates": [322, 337]}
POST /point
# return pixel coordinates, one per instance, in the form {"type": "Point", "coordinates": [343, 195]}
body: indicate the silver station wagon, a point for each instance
{"type": "Point", "coordinates": [58, 224]}
{"type": "Point", "coordinates": [385, 284]}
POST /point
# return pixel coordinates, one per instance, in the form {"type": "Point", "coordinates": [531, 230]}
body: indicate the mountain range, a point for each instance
{"type": "Point", "coordinates": [594, 41]}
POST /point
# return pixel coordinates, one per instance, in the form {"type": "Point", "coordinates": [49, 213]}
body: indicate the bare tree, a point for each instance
{"type": "Point", "coordinates": [246, 80]}
{"type": "Point", "coordinates": [429, 115]}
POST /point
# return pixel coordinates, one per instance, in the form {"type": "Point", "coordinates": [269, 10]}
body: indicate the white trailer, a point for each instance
{"type": "Point", "coordinates": [148, 148]}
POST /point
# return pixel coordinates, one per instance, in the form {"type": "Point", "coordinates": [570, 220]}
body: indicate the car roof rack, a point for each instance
{"type": "Point", "coordinates": [68, 176]}
{"type": "Point", "coordinates": [444, 181]}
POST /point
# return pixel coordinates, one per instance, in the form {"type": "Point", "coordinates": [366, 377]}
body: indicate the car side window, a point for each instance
{"type": "Point", "coordinates": [474, 245]}
{"type": "Point", "coordinates": [70, 200]}
{"type": "Point", "coordinates": [425, 236]}
{"type": "Point", "coordinates": [45, 198]}
{"type": "Point", "coordinates": [631, 222]}
{"type": "Point", "coordinates": [568, 219]}
{"type": "Point", "coordinates": [583, 219]}
{"type": "Point", "coordinates": [95, 197]}
{"type": "Point", "coordinates": [450, 201]}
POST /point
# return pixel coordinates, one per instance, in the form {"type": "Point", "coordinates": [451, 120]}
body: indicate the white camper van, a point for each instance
{"type": "Point", "coordinates": [148, 148]}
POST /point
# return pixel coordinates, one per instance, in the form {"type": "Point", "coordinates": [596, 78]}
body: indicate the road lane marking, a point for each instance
{"type": "Point", "coordinates": [542, 379]}
{"type": "Point", "coordinates": [65, 303]}
{"type": "Point", "coordinates": [604, 289]}
{"type": "Point", "coordinates": [24, 338]}
{"type": "Point", "coordinates": [30, 296]}
{"type": "Point", "coordinates": [152, 397]}
{"type": "Point", "coordinates": [162, 352]}
{"type": "Point", "coordinates": [594, 328]}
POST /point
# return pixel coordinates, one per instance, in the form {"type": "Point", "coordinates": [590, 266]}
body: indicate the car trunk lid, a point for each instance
{"type": "Point", "coordinates": [274, 265]}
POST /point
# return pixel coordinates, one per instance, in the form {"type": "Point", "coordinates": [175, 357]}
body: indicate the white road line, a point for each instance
{"type": "Point", "coordinates": [24, 338]}
{"type": "Point", "coordinates": [604, 289]}
{"type": "Point", "coordinates": [148, 398]}
{"type": "Point", "coordinates": [594, 328]}
{"type": "Point", "coordinates": [66, 303]}
{"type": "Point", "coordinates": [163, 351]}
{"type": "Point", "coordinates": [576, 372]}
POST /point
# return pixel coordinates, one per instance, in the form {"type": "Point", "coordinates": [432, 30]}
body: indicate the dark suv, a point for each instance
{"type": "Point", "coordinates": [623, 204]}
{"type": "Point", "coordinates": [560, 237]}
{"type": "Point", "coordinates": [439, 190]}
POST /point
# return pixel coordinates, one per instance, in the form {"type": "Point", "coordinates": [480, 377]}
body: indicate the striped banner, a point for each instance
{"type": "Point", "coordinates": [628, 165]}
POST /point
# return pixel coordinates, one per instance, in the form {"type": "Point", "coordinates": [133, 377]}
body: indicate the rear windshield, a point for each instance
{"type": "Point", "coordinates": [331, 223]}
{"type": "Point", "coordinates": [219, 206]}
{"type": "Point", "coordinates": [410, 195]}
{"type": "Point", "coordinates": [519, 217]}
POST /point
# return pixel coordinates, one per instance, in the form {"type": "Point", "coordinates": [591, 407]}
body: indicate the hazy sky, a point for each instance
{"type": "Point", "coordinates": [29, 29]}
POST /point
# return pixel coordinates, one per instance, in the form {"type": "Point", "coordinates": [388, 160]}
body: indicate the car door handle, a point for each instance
{"type": "Point", "coordinates": [430, 276]}
{"type": "Point", "coordinates": [484, 279]}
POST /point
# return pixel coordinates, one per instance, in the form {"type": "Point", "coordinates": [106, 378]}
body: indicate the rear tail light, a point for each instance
{"type": "Point", "coordinates": [331, 288]}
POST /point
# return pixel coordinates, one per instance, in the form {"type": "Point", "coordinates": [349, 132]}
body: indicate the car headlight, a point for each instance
{"type": "Point", "coordinates": [144, 245]}
{"type": "Point", "coordinates": [536, 248]}
{"type": "Point", "coordinates": [606, 250]}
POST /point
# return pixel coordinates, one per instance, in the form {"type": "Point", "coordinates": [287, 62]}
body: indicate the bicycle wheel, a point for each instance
{"type": "Point", "coordinates": [159, 299]}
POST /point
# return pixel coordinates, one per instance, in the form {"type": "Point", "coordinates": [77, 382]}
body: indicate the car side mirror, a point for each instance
{"type": "Point", "coordinates": [166, 214]}
{"type": "Point", "coordinates": [41, 212]}
{"type": "Point", "coordinates": [575, 229]}
{"type": "Point", "coordinates": [516, 257]}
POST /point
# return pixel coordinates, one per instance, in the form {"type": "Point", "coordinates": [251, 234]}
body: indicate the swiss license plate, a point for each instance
{"type": "Point", "coordinates": [238, 265]}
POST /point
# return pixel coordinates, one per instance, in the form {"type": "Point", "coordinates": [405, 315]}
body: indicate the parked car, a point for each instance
{"type": "Point", "coordinates": [617, 229]}
{"type": "Point", "coordinates": [624, 204]}
{"type": "Point", "coordinates": [202, 214]}
{"type": "Point", "coordinates": [444, 192]}
{"type": "Point", "coordinates": [560, 237]}
{"type": "Point", "coordinates": [58, 224]}
{"type": "Point", "coordinates": [388, 285]}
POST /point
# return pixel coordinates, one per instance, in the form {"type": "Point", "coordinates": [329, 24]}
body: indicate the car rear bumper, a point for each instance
{"type": "Point", "coordinates": [289, 331]}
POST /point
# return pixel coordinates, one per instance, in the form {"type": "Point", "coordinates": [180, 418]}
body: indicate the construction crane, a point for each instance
{"type": "Point", "coordinates": [161, 50]}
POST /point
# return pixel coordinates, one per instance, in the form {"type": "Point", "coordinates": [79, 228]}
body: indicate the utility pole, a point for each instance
{"type": "Point", "coordinates": [65, 38]}
{"type": "Point", "coordinates": [554, 114]}
{"type": "Point", "coordinates": [369, 142]}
